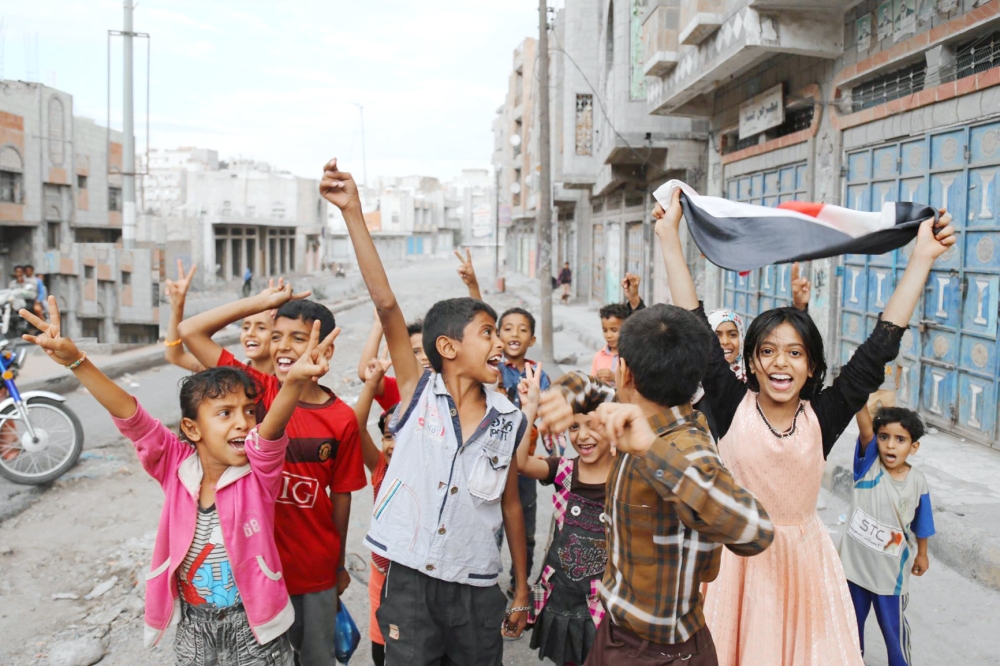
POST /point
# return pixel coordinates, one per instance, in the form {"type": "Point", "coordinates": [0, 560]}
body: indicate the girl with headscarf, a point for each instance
{"type": "Point", "coordinates": [728, 326]}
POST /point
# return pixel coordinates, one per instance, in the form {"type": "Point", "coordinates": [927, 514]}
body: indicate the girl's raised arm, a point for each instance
{"type": "Point", "coordinates": [177, 293]}
{"type": "Point", "coordinates": [667, 229]}
{"type": "Point", "coordinates": [931, 244]}
{"type": "Point", "coordinates": [64, 351]}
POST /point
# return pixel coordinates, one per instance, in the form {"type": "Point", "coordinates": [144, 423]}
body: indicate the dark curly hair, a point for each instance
{"type": "Point", "coordinates": [906, 418]}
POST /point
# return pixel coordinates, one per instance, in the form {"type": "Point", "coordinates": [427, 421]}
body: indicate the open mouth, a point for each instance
{"type": "Point", "coordinates": [889, 459]}
{"type": "Point", "coordinates": [494, 362]}
{"type": "Point", "coordinates": [780, 382]}
{"type": "Point", "coordinates": [513, 345]}
{"type": "Point", "coordinates": [284, 363]}
{"type": "Point", "coordinates": [251, 344]}
{"type": "Point", "coordinates": [237, 443]}
{"type": "Point", "coordinates": [586, 449]}
{"type": "Point", "coordinates": [729, 353]}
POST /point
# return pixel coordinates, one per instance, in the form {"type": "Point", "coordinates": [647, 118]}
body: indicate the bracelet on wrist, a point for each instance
{"type": "Point", "coordinates": [172, 343]}
{"type": "Point", "coordinates": [75, 364]}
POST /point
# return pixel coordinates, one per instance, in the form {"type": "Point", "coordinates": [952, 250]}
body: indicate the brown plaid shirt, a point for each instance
{"type": "Point", "coordinates": [668, 514]}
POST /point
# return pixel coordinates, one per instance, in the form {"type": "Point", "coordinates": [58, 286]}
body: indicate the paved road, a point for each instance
{"type": "Point", "coordinates": [97, 519]}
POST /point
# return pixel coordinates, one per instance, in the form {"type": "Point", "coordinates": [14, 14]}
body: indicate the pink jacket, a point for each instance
{"type": "Point", "coordinates": [244, 499]}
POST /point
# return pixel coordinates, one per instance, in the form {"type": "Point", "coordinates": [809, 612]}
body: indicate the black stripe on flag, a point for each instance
{"type": "Point", "coordinates": [747, 243]}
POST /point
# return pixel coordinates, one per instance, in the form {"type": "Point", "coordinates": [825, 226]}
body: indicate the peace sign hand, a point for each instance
{"type": "Point", "coordinates": [177, 289]}
{"type": "Point", "coordinates": [801, 288]}
{"type": "Point", "coordinates": [377, 367]}
{"type": "Point", "coordinates": [466, 271]}
{"type": "Point", "coordinates": [530, 389]}
{"type": "Point", "coordinates": [313, 364]}
{"type": "Point", "coordinates": [61, 350]}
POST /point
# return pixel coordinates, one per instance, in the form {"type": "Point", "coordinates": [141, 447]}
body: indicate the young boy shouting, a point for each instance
{"type": "Point", "coordinates": [517, 332]}
{"type": "Point", "coordinates": [891, 520]}
{"type": "Point", "coordinates": [323, 462]}
{"type": "Point", "coordinates": [451, 487]}
{"type": "Point", "coordinates": [671, 504]}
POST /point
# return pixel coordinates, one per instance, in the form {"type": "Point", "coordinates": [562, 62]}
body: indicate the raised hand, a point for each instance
{"type": "Point", "coordinates": [801, 288]}
{"type": "Point", "coordinates": [176, 290]}
{"type": "Point", "coordinates": [338, 187]}
{"type": "Point", "coordinates": [276, 295]}
{"type": "Point", "coordinates": [313, 364]}
{"type": "Point", "coordinates": [555, 413]}
{"type": "Point", "coordinates": [631, 286]}
{"type": "Point", "coordinates": [61, 350]}
{"type": "Point", "coordinates": [934, 239]}
{"type": "Point", "coordinates": [606, 376]}
{"type": "Point", "coordinates": [669, 219]}
{"type": "Point", "coordinates": [466, 270]}
{"type": "Point", "coordinates": [377, 367]}
{"type": "Point", "coordinates": [626, 428]}
{"type": "Point", "coordinates": [529, 389]}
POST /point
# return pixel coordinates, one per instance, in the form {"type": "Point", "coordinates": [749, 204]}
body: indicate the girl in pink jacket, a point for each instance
{"type": "Point", "coordinates": [215, 570]}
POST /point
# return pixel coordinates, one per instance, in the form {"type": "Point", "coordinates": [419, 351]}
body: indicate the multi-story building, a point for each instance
{"type": "Point", "coordinates": [609, 153]}
{"type": "Point", "coordinates": [60, 210]}
{"type": "Point", "coordinates": [406, 217]}
{"type": "Point", "coordinates": [856, 103]}
{"type": "Point", "coordinates": [230, 216]}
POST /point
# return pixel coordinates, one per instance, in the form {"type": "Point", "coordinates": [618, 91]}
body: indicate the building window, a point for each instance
{"type": "Point", "coordinates": [10, 187]}
{"type": "Point", "coordinates": [88, 272]}
{"type": "Point", "coordinates": [126, 278]}
{"type": "Point", "coordinates": [81, 182]}
{"type": "Point", "coordinates": [978, 55]}
{"type": "Point", "coordinates": [53, 235]}
{"type": "Point", "coordinates": [885, 88]}
{"type": "Point", "coordinates": [584, 124]}
{"type": "Point", "coordinates": [115, 199]}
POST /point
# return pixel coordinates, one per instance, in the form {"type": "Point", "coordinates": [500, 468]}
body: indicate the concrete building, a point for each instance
{"type": "Point", "coordinates": [609, 153]}
{"type": "Point", "coordinates": [232, 215]}
{"type": "Point", "coordinates": [60, 210]}
{"type": "Point", "coordinates": [406, 217]}
{"type": "Point", "coordinates": [470, 207]}
{"type": "Point", "coordinates": [900, 103]}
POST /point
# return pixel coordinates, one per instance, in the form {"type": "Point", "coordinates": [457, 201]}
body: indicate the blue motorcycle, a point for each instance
{"type": "Point", "coordinates": [40, 437]}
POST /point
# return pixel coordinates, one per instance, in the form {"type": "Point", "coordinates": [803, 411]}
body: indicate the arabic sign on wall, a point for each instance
{"type": "Point", "coordinates": [762, 112]}
{"type": "Point", "coordinates": [481, 221]}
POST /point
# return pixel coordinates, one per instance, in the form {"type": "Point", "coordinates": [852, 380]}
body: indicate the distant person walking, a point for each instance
{"type": "Point", "coordinates": [247, 279]}
{"type": "Point", "coordinates": [565, 279]}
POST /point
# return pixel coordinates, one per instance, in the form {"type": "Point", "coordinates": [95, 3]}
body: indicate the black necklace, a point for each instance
{"type": "Point", "coordinates": [780, 435]}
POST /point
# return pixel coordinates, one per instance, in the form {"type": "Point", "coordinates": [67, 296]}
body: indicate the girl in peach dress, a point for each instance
{"type": "Point", "coordinates": [790, 605]}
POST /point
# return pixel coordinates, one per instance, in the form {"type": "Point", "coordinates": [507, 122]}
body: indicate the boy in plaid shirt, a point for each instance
{"type": "Point", "coordinates": [671, 504]}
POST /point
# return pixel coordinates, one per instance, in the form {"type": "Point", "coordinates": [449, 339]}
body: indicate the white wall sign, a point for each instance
{"type": "Point", "coordinates": [762, 112]}
{"type": "Point", "coordinates": [482, 221]}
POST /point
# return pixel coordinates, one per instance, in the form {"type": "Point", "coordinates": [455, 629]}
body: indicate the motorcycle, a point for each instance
{"type": "Point", "coordinates": [40, 437]}
{"type": "Point", "coordinates": [12, 325]}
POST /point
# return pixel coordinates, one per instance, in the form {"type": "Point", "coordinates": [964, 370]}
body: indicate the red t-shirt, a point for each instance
{"type": "Point", "coordinates": [390, 394]}
{"type": "Point", "coordinates": [378, 476]}
{"type": "Point", "coordinates": [323, 456]}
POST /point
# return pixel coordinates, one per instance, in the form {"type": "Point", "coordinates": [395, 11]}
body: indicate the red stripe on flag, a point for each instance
{"type": "Point", "coordinates": [804, 207]}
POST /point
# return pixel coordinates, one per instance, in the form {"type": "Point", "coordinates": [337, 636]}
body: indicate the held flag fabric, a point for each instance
{"type": "Point", "coordinates": [741, 236]}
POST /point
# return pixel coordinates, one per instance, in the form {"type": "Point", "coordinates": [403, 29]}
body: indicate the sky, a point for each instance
{"type": "Point", "coordinates": [277, 81]}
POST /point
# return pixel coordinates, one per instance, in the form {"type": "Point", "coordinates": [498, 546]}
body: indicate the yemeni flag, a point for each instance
{"type": "Point", "coordinates": [741, 236]}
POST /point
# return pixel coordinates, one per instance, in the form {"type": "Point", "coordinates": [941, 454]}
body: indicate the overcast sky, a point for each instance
{"type": "Point", "coordinates": [273, 80]}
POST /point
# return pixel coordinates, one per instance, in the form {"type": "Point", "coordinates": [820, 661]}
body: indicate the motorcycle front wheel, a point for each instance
{"type": "Point", "coordinates": [55, 448]}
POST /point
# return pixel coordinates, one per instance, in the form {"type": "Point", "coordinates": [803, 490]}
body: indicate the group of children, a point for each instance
{"type": "Point", "coordinates": [665, 546]}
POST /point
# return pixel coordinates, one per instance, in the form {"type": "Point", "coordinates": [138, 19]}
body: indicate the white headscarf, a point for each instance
{"type": "Point", "coordinates": [718, 318]}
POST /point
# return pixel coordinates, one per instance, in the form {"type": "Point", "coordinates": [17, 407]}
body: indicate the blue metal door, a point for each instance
{"type": "Point", "coordinates": [949, 353]}
{"type": "Point", "coordinates": [769, 287]}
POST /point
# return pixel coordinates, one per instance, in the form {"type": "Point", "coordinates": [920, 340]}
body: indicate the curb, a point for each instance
{"type": "Point", "coordinates": [968, 549]}
{"type": "Point", "coordinates": [153, 357]}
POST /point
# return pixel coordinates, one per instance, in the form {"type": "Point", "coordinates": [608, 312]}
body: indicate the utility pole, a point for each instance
{"type": "Point", "coordinates": [364, 156]}
{"type": "Point", "coordinates": [128, 143]}
{"type": "Point", "coordinates": [544, 216]}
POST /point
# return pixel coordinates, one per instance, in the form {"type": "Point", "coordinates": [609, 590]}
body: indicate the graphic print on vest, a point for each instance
{"type": "Point", "coordinates": [885, 539]}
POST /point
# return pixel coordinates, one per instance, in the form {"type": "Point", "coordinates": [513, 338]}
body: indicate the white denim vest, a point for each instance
{"type": "Point", "coordinates": [438, 510]}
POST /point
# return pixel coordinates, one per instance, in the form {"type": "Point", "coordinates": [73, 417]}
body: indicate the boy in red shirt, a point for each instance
{"type": "Point", "coordinates": [323, 463]}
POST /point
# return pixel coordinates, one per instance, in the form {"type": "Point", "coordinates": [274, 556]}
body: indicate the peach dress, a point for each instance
{"type": "Point", "coordinates": [788, 606]}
